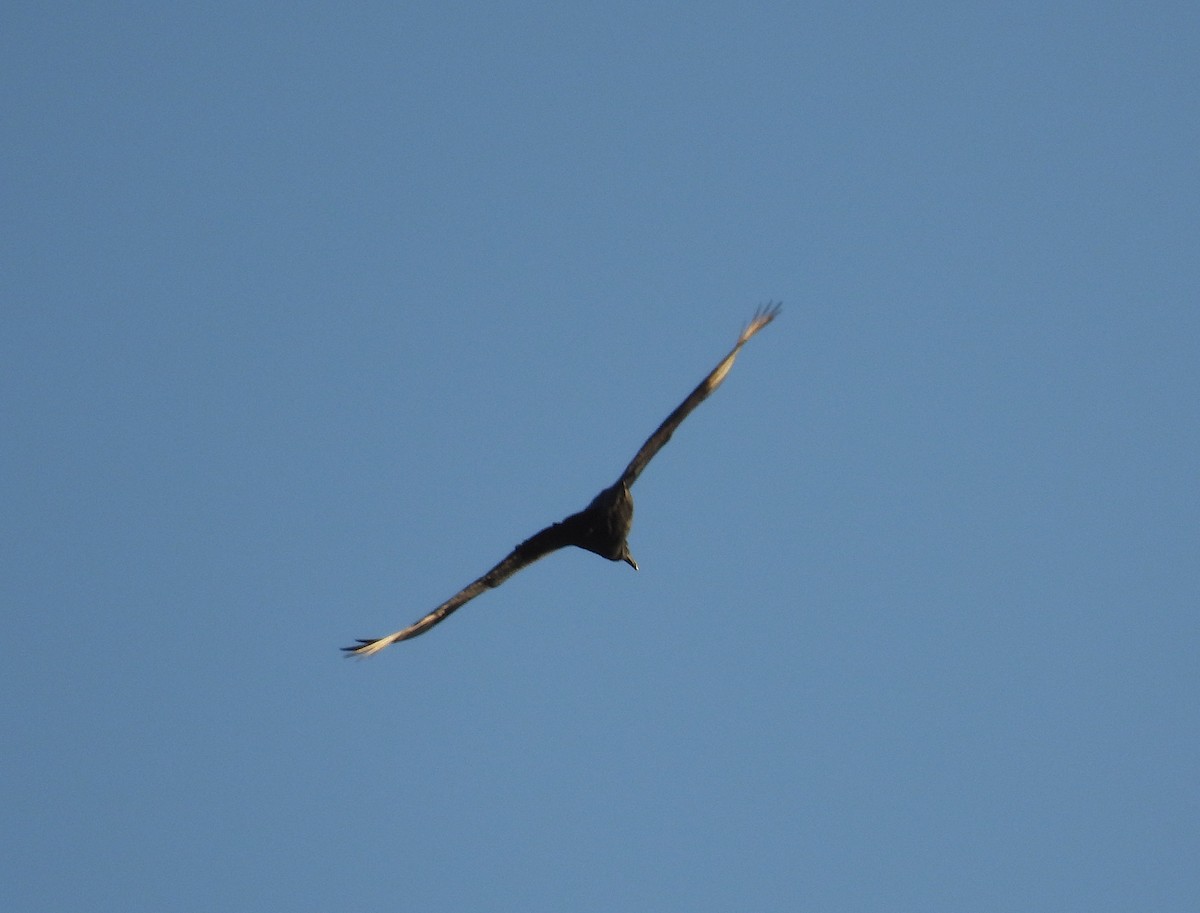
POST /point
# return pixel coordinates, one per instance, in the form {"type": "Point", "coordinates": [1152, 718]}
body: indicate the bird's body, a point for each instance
{"type": "Point", "coordinates": [602, 527]}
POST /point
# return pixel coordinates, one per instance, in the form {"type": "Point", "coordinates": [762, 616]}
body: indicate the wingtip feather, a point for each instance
{"type": "Point", "coordinates": [367, 647]}
{"type": "Point", "coordinates": [762, 316]}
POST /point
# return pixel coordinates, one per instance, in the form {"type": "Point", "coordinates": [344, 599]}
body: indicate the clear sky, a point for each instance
{"type": "Point", "coordinates": [312, 311]}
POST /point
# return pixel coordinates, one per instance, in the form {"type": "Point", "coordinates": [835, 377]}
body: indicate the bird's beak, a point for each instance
{"type": "Point", "coordinates": [629, 560]}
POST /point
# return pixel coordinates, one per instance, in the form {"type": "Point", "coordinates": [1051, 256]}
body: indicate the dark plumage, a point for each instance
{"type": "Point", "coordinates": [601, 527]}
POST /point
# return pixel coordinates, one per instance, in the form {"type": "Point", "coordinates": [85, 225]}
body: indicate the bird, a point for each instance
{"type": "Point", "coordinates": [602, 527]}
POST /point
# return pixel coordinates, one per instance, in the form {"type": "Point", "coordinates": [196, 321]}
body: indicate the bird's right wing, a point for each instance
{"type": "Point", "coordinates": [664, 431]}
{"type": "Point", "coordinates": [551, 538]}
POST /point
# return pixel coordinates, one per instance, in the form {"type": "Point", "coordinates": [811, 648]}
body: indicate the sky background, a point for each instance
{"type": "Point", "coordinates": [310, 312]}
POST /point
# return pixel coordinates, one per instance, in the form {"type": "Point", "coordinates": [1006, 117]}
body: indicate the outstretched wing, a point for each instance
{"type": "Point", "coordinates": [762, 317]}
{"type": "Point", "coordinates": [548, 540]}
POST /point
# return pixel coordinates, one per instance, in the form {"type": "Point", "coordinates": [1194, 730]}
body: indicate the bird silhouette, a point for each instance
{"type": "Point", "coordinates": [601, 527]}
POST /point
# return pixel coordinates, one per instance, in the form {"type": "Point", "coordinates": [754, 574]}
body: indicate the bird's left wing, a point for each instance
{"type": "Point", "coordinates": [663, 433]}
{"type": "Point", "coordinates": [551, 538]}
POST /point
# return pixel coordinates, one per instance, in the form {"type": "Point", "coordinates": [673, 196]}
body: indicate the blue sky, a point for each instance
{"type": "Point", "coordinates": [311, 313]}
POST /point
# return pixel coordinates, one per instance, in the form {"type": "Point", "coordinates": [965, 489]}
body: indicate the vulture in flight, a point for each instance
{"type": "Point", "coordinates": [601, 527]}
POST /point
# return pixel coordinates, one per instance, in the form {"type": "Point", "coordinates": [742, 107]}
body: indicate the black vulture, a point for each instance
{"type": "Point", "coordinates": [601, 527]}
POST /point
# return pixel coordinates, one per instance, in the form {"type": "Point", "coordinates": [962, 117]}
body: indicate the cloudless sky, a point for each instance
{"type": "Point", "coordinates": [311, 311]}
